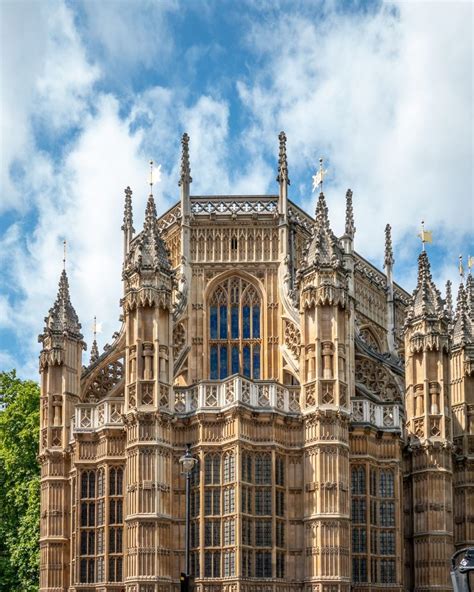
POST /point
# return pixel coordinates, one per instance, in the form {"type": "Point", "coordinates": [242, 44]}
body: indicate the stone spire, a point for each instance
{"type": "Point", "coordinates": [448, 303]}
{"type": "Point", "coordinates": [388, 259]}
{"type": "Point", "coordinates": [62, 318]}
{"type": "Point", "coordinates": [470, 295]}
{"type": "Point", "coordinates": [127, 225]}
{"type": "Point", "coordinates": [185, 177]}
{"type": "Point", "coordinates": [350, 226]}
{"type": "Point", "coordinates": [282, 176]}
{"type": "Point", "coordinates": [127, 212]}
{"type": "Point", "coordinates": [323, 249]}
{"type": "Point", "coordinates": [462, 331]}
{"type": "Point", "coordinates": [426, 299]}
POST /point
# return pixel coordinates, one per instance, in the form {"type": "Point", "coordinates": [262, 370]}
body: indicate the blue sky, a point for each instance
{"type": "Point", "coordinates": [91, 91]}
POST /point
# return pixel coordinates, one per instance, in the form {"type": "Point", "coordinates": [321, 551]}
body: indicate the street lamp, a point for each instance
{"type": "Point", "coordinates": [188, 462]}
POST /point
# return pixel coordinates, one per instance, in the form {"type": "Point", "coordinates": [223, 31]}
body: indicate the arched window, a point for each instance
{"type": "Point", "coordinates": [234, 330]}
{"type": "Point", "coordinates": [212, 469]}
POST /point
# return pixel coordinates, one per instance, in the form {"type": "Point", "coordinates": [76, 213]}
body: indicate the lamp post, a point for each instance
{"type": "Point", "coordinates": [188, 462]}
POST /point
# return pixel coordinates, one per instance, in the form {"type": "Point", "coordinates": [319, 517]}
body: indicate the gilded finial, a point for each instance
{"type": "Point", "coordinates": [185, 177]}
{"type": "Point", "coordinates": [388, 259]}
{"type": "Point", "coordinates": [470, 263]}
{"type": "Point", "coordinates": [282, 160]}
{"type": "Point", "coordinates": [350, 226]}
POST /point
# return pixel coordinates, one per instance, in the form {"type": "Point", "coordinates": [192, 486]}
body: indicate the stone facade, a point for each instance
{"type": "Point", "coordinates": [332, 414]}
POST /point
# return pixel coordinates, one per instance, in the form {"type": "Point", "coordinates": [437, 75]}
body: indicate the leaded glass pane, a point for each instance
{"type": "Point", "coordinates": [255, 322]}
{"type": "Point", "coordinates": [256, 362]}
{"type": "Point", "coordinates": [214, 362]}
{"type": "Point", "coordinates": [246, 322]}
{"type": "Point", "coordinates": [246, 356]}
{"type": "Point", "coordinates": [223, 365]}
{"type": "Point", "coordinates": [213, 322]}
{"type": "Point", "coordinates": [234, 324]}
{"type": "Point", "coordinates": [223, 322]}
{"type": "Point", "coordinates": [235, 360]}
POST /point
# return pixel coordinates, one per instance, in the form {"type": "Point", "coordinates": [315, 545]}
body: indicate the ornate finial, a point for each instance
{"type": "Point", "coordinates": [318, 177]}
{"type": "Point", "coordinates": [64, 254]}
{"type": "Point", "coordinates": [128, 213]}
{"type": "Point", "coordinates": [470, 263]}
{"type": "Point", "coordinates": [350, 226]}
{"type": "Point", "coordinates": [185, 177]}
{"type": "Point", "coordinates": [388, 260]}
{"type": "Point", "coordinates": [94, 348]}
{"type": "Point", "coordinates": [461, 267]}
{"type": "Point", "coordinates": [449, 299]}
{"type": "Point", "coordinates": [282, 176]}
{"type": "Point", "coordinates": [425, 235]}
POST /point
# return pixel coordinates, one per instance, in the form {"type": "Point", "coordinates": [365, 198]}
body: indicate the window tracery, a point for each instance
{"type": "Point", "coordinates": [377, 379]}
{"type": "Point", "coordinates": [235, 330]}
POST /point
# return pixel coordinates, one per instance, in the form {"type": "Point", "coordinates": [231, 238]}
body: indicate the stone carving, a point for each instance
{"type": "Point", "coordinates": [104, 381]}
{"type": "Point", "coordinates": [292, 339]}
{"type": "Point", "coordinates": [377, 379]}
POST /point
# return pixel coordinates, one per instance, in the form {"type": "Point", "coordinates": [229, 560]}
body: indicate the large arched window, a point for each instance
{"type": "Point", "coordinates": [234, 330]}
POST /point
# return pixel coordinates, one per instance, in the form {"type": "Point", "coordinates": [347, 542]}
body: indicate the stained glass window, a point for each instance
{"type": "Point", "coordinates": [234, 330]}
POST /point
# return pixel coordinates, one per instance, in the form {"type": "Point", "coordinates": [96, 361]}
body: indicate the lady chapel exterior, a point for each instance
{"type": "Point", "coordinates": [332, 414]}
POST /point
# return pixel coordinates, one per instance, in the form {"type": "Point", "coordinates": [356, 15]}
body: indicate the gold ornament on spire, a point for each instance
{"type": "Point", "coordinates": [470, 262]}
{"type": "Point", "coordinates": [425, 235]}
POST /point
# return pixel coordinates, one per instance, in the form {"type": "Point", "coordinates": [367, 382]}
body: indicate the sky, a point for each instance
{"type": "Point", "coordinates": [92, 91]}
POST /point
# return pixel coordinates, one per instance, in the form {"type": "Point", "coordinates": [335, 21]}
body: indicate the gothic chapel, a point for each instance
{"type": "Point", "coordinates": [330, 412]}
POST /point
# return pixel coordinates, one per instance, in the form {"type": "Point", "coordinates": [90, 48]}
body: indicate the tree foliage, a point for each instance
{"type": "Point", "coordinates": [19, 484]}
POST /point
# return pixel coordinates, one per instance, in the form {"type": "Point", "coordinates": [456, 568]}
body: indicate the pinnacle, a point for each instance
{"type": "Point", "coordinates": [282, 160]}
{"type": "Point", "coordinates": [426, 299]}
{"type": "Point", "coordinates": [462, 332]}
{"type": "Point", "coordinates": [150, 213]}
{"type": "Point", "coordinates": [128, 212]}
{"type": "Point", "coordinates": [94, 352]}
{"type": "Point", "coordinates": [185, 177]}
{"type": "Point", "coordinates": [388, 259]}
{"type": "Point", "coordinates": [62, 317]}
{"type": "Point", "coordinates": [350, 225]}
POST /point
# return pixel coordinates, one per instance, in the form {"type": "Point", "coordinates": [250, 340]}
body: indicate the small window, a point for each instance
{"type": "Point", "coordinates": [233, 243]}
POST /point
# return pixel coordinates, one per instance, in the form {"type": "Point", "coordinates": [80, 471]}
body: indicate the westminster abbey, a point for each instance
{"type": "Point", "coordinates": [330, 413]}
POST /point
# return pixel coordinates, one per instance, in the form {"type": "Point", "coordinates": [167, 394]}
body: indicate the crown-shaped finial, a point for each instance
{"type": "Point", "coordinates": [282, 176]}
{"type": "Point", "coordinates": [350, 226]}
{"type": "Point", "coordinates": [388, 259]}
{"type": "Point", "coordinates": [185, 177]}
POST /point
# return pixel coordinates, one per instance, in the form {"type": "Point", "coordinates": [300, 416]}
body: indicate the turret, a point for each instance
{"type": "Point", "coordinates": [60, 368]}
{"type": "Point", "coordinates": [148, 317]}
{"type": "Point", "coordinates": [428, 410]}
{"type": "Point", "coordinates": [325, 368]}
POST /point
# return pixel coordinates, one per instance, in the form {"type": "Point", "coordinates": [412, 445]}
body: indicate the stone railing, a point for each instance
{"type": "Point", "coordinates": [91, 416]}
{"type": "Point", "coordinates": [384, 416]}
{"type": "Point", "coordinates": [263, 395]}
{"type": "Point", "coordinates": [234, 205]}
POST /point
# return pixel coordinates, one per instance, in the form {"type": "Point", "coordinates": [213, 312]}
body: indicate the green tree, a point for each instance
{"type": "Point", "coordinates": [19, 484]}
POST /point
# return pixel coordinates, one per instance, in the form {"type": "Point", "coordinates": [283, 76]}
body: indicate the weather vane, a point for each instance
{"type": "Point", "coordinates": [425, 235]}
{"type": "Point", "coordinates": [151, 177]}
{"type": "Point", "coordinates": [319, 177]}
{"type": "Point", "coordinates": [64, 253]}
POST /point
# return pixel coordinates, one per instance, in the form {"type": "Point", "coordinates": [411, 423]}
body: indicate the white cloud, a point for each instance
{"type": "Point", "coordinates": [388, 100]}
{"type": "Point", "coordinates": [45, 79]}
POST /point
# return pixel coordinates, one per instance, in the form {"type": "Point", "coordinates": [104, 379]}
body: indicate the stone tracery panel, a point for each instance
{"type": "Point", "coordinates": [104, 381]}
{"type": "Point", "coordinates": [376, 379]}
